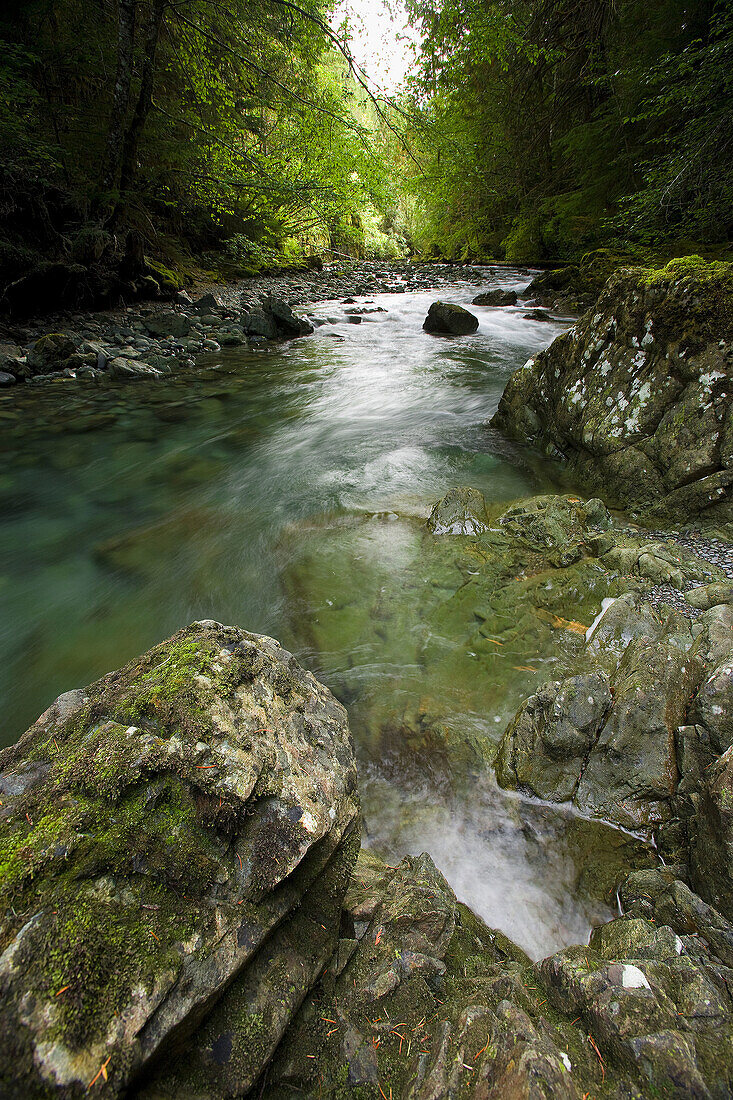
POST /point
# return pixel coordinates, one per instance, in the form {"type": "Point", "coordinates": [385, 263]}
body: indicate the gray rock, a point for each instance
{"type": "Point", "coordinates": [50, 353]}
{"type": "Point", "coordinates": [7, 379]}
{"type": "Point", "coordinates": [206, 304]}
{"type": "Point", "coordinates": [193, 833]}
{"type": "Point", "coordinates": [496, 298]}
{"type": "Point", "coordinates": [461, 512]}
{"type": "Point", "coordinates": [712, 837]}
{"type": "Point", "coordinates": [168, 323]}
{"type": "Point", "coordinates": [447, 319]}
{"type": "Point", "coordinates": [637, 395]}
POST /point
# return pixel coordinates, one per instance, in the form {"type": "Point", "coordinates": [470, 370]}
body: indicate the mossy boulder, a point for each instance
{"type": "Point", "coordinates": [637, 395]}
{"type": "Point", "coordinates": [50, 353]}
{"type": "Point", "coordinates": [157, 830]}
{"type": "Point", "coordinates": [449, 319]}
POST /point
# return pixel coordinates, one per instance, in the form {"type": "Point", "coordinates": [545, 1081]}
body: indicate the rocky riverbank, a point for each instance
{"type": "Point", "coordinates": [150, 341]}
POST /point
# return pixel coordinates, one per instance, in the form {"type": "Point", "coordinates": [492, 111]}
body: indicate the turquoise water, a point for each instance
{"type": "Point", "coordinates": [128, 512]}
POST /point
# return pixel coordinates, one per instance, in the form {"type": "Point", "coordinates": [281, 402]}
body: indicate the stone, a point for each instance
{"type": "Point", "coordinates": [168, 323]}
{"type": "Point", "coordinates": [496, 298]}
{"type": "Point", "coordinates": [122, 368]}
{"type": "Point", "coordinates": [548, 741]}
{"type": "Point", "coordinates": [637, 395]}
{"type": "Point", "coordinates": [447, 319]}
{"type": "Point", "coordinates": [161, 832]}
{"type": "Point", "coordinates": [460, 512]}
{"type": "Point", "coordinates": [706, 596]}
{"type": "Point", "coordinates": [711, 860]}
{"type": "Point", "coordinates": [7, 379]}
{"type": "Point", "coordinates": [287, 322]}
{"type": "Point", "coordinates": [50, 353]}
{"type": "Point", "coordinates": [10, 360]}
{"type": "Point", "coordinates": [205, 304]}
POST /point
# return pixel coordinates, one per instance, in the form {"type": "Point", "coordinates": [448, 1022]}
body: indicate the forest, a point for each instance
{"type": "Point", "coordinates": [240, 136]}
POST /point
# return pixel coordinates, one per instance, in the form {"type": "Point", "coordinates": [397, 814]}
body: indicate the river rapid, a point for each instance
{"type": "Point", "coordinates": [132, 510]}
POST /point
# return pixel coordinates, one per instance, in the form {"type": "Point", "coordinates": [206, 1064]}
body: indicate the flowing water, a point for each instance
{"type": "Point", "coordinates": [129, 512]}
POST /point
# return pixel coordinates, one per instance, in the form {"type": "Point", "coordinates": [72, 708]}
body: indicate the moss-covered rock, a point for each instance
{"type": "Point", "coordinates": [157, 829]}
{"type": "Point", "coordinates": [637, 396]}
{"type": "Point", "coordinates": [423, 1000]}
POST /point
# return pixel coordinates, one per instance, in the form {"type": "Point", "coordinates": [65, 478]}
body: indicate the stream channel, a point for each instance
{"type": "Point", "coordinates": [284, 490]}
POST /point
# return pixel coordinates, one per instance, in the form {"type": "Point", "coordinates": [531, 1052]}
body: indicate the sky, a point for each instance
{"type": "Point", "coordinates": [380, 39]}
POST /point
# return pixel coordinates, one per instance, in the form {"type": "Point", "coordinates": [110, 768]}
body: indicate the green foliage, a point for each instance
{"type": "Point", "coordinates": [252, 127]}
{"type": "Point", "coordinates": [549, 128]}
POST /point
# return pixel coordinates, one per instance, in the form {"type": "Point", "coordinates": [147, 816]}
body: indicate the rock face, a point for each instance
{"type": "Point", "coordinates": [447, 319]}
{"type": "Point", "coordinates": [185, 826]}
{"type": "Point", "coordinates": [644, 738]}
{"type": "Point", "coordinates": [637, 396]}
{"type": "Point", "coordinates": [423, 1000]}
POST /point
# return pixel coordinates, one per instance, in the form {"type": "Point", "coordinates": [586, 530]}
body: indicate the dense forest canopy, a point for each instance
{"type": "Point", "coordinates": [209, 120]}
{"type": "Point", "coordinates": [530, 129]}
{"type": "Point", "coordinates": [558, 125]}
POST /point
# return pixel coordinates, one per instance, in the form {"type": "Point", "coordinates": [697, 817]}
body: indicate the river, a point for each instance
{"type": "Point", "coordinates": [128, 512]}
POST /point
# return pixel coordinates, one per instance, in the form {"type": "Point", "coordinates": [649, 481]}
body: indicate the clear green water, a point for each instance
{"type": "Point", "coordinates": [129, 512]}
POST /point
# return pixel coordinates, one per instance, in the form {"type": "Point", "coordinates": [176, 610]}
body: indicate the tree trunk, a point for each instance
{"type": "Point", "coordinates": [121, 95]}
{"type": "Point", "coordinates": [145, 97]}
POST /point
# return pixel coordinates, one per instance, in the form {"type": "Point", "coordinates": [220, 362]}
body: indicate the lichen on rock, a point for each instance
{"type": "Point", "coordinates": [637, 395]}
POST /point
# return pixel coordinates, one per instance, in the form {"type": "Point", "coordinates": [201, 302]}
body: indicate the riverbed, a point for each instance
{"type": "Point", "coordinates": [131, 510]}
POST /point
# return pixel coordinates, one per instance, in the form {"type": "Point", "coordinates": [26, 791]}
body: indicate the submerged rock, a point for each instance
{"type": "Point", "coordinates": [637, 396]}
{"type": "Point", "coordinates": [447, 319]}
{"type": "Point", "coordinates": [161, 831]}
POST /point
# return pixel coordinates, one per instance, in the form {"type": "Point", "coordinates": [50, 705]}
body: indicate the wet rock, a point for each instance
{"type": "Point", "coordinates": [123, 368]}
{"type": "Point", "coordinates": [447, 319]}
{"type": "Point", "coordinates": [160, 831]}
{"type": "Point", "coordinates": [50, 352]}
{"type": "Point", "coordinates": [538, 315]}
{"type": "Point", "coordinates": [637, 396]}
{"type": "Point", "coordinates": [496, 298]}
{"type": "Point", "coordinates": [546, 745]}
{"type": "Point", "coordinates": [287, 322]}
{"type": "Point", "coordinates": [613, 742]}
{"type": "Point", "coordinates": [712, 837]}
{"type": "Point", "coordinates": [460, 512]}
{"type": "Point", "coordinates": [7, 379]}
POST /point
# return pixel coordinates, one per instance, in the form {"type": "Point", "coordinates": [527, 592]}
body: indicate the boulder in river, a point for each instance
{"type": "Point", "coordinates": [496, 298]}
{"type": "Point", "coordinates": [638, 396]}
{"type": "Point", "coordinates": [185, 826]}
{"type": "Point", "coordinates": [448, 319]}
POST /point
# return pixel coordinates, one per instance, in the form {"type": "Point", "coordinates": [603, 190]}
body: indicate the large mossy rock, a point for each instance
{"type": "Point", "coordinates": [160, 832]}
{"type": "Point", "coordinates": [637, 395]}
{"type": "Point", "coordinates": [449, 319]}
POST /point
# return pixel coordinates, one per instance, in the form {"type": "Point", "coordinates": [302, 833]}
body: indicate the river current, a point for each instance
{"type": "Point", "coordinates": [127, 513]}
